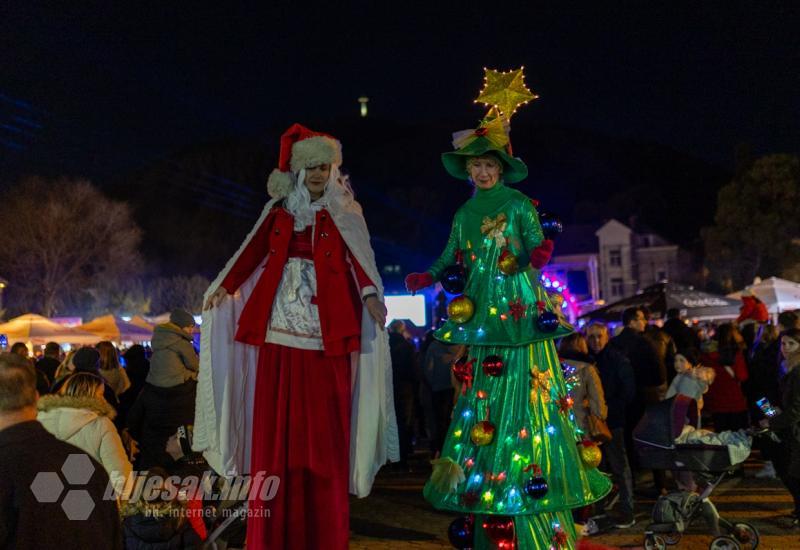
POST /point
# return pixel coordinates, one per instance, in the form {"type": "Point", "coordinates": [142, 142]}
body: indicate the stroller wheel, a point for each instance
{"type": "Point", "coordinates": [654, 542]}
{"type": "Point", "coordinates": [724, 543]}
{"type": "Point", "coordinates": [672, 538]}
{"type": "Point", "coordinates": [746, 535]}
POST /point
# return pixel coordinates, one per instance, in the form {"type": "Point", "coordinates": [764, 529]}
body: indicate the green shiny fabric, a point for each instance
{"type": "Point", "coordinates": [530, 428]}
{"type": "Point", "coordinates": [488, 288]}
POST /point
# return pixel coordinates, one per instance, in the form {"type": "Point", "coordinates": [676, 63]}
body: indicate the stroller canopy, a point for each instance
{"type": "Point", "coordinates": [663, 422]}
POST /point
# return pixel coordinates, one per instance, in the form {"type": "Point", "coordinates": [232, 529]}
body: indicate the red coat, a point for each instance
{"type": "Point", "coordinates": [725, 392]}
{"type": "Point", "coordinates": [338, 297]}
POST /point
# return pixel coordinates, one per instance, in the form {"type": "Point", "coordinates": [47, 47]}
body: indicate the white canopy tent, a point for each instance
{"type": "Point", "coordinates": [777, 294]}
{"type": "Point", "coordinates": [38, 330]}
{"type": "Point", "coordinates": [112, 328]}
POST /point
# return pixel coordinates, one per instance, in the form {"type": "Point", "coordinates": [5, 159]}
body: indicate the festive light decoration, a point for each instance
{"type": "Point", "coordinates": [493, 365]}
{"type": "Point", "coordinates": [560, 538]}
{"type": "Point", "coordinates": [565, 404]}
{"type": "Point", "coordinates": [499, 529]}
{"type": "Point", "coordinates": [460, 309]}
{"type": "Point", "coordinates": [463, 372]}
{"type": "Point", "coordinates": [517, 309]}
{"type": "Point", "coordinates": [461, 532]}
{"type": "Point", "coordinates": [547, 321]}
{"type": "Point", "coordinates": [482, 433]}
{"type": "Point", "coordinates": [560, 296]}
{"type": "Point", "coordinates": [551, 225]}
{"type": "Point", "coordinates": [590, 453]}
{"type": "Point", "coordinates": [505, 91]}
{"type": "Point", "coordinates": [493, 228]}
{"type": "Point", "coordinates": [492, 129]}
{"type": "Point", "coordinates": [536, 487]}
{"type": "Point", "coordinates": [454, 279]}
{"type": "Point", "coordinates": [540, 385]}
{"type": "Point", "coordinates": [507, 263]}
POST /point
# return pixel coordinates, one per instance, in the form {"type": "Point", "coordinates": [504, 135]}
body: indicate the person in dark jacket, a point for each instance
{"type": "Point", "coordinates": [174, 359]}
{"type": "Point", "coordinates": [27, 450]}
{"type": "Point", "coordinates": [681, 335]}
{"type": "Point", "coordinates": [159, 524]}
{"type": "Point", "coordinates": [787, 423]}
{"type": "Point", "coordinates": [403, 358]}
{"type": "Point", "coordinates": [764, 381]}
{"type": "Point", "coordinates": [155, 416]}
{"type": "Point", "coordinates": [50, 360]}
{"type": "Point", "coordinates": [137, 366]}
{"type": "Point", "coordinates": [648, 376]}
{"type": "Point", "coordinates": [616, 375]}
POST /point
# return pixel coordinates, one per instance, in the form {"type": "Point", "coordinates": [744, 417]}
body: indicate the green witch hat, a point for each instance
{"type": "Point", "coordinates": [490, 138]}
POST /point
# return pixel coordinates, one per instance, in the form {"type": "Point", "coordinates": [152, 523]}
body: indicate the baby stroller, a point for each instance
{"type": "Point", "coordinates": [654, 440]}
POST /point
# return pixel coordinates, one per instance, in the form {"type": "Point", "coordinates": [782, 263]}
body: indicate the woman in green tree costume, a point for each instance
{"type": "Point", "coordinates": [513, 459]}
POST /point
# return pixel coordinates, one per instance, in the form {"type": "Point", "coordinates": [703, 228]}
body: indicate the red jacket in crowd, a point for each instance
{"type": "Point", "coordinates": [725, 394]}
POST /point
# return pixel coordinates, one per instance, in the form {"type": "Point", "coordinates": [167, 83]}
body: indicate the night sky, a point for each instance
{"type": "Point", "coordinates": [98, 90]}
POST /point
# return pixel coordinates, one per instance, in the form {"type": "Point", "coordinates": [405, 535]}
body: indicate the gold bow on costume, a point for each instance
{"type": "Point", "coordinates": [540, 385]}
{"type": "Point", "coordinates": [493, 130]}
{"type": "Point", "coordinates": [494, 228]}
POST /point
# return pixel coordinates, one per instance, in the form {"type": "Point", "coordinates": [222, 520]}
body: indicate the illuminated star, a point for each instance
{"type": "Point", "coordinates": [517, 309]}
{"type": "Point", "coordinates": [505, 91]}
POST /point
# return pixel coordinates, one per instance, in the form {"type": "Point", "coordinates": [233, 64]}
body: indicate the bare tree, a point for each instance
{"type": "Point", "coordinates": [168, 293]}
{"type": "Point", "coordinates": [63, 238]}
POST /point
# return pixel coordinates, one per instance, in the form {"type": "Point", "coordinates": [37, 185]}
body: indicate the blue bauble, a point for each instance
{"type": "Point", "coordinates": [461, 532]}
{"type": "Point", "coordinates": [536, 487]}
{"type": "Point", "coordinates": [454, 279]}
{"type": "Point", "coordinates": [551, 225]}
{"type": "Point", "coordinates": [547, 321]}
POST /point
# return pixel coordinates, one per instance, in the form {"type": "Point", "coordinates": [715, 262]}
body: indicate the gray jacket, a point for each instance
{"type": "Point", "coordinates": [174, 360]}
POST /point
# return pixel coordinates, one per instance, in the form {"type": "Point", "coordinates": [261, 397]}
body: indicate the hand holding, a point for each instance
{"type": "Point", "coordinates": [216, 298]}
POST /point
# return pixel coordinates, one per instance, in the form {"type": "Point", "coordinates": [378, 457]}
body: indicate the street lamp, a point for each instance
{"type": "Point", "coordinates": [363, 100]}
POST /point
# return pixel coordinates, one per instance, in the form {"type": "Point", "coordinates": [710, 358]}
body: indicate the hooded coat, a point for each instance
{"type": "Point", "coordinates": [87, 423]}
{"type": "Point", "coordinates": [174, 360]}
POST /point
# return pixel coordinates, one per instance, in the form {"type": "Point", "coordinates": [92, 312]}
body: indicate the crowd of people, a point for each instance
{"type": "Point", "coordinates": [132, 418]}
{"type": "Point", "coordinates": [727, 368]}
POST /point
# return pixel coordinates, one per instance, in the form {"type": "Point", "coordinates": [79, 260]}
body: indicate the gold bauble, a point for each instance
{"type": "Point", "coordinates": [482, 433]}
{"type": "Point", "coordinates": [460, 309]}
{"type": "Point", "coordinates": [591, 455]}
{"type": "Point", "coordinates": [507, 263]}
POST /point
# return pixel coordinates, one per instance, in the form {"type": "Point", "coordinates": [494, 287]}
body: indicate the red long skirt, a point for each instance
{"type": "Point", "coordinates": [301, 433]}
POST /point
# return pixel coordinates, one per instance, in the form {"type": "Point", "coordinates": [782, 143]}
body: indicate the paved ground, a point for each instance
{"type": "Point", "coordinates": [396, 516]}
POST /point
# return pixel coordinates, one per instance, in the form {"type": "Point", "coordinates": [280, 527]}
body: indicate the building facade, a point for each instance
{"type": "Point", "coordinates": [604, 264]}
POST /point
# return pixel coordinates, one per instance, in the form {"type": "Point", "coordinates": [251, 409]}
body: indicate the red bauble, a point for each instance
{"type": "Point", "coordinates": [499, 529]}
{"type": "Point", "coordinates": [492, 365]}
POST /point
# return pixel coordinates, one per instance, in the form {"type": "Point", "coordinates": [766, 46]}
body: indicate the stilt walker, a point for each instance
{"type": "Point", "coordinates": [514, 461]}
{"type": "Point", "coordinates": [295, 376]}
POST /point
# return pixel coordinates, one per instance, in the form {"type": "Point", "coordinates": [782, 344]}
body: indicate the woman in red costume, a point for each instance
{"type": "Point", "coordinates": [310, 303]}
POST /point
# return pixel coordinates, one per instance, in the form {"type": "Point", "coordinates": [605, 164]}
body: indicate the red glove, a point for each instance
{"type": "Point", "coordinates": [541, 254]}
{"type": "Point", "coordinates": [418, 281]}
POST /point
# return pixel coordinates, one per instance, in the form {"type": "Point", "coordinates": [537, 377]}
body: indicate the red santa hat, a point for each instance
{"type": "Point", "coordinates": [301, 148]}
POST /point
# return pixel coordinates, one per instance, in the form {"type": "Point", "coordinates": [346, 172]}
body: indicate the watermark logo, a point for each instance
{"type": "Point", "coordinates": [78, 504]}
{"type": "Point", "coordinates": [48, 487]}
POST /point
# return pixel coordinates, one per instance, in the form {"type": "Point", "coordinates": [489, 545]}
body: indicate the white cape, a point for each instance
{"type": "Point", "coordinates": [226, 382]}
